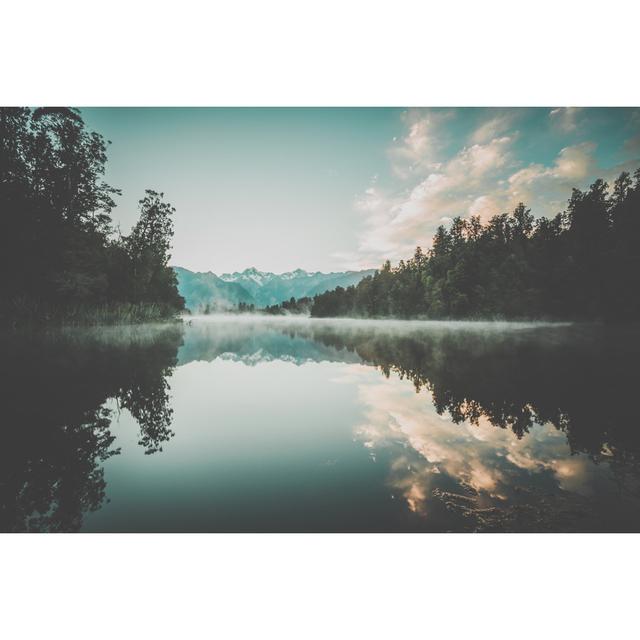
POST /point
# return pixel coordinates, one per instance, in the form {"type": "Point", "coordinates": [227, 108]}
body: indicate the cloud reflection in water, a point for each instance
{"type": "Point", "coordinates": [472, 468]}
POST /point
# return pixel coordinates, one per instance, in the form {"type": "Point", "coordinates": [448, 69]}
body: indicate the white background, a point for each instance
{"type": "Point", "coordinates": [322, 53]}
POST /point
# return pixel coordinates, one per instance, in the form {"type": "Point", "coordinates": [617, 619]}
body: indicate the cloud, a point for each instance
{"type": "Point", "coordinates": [485, 206]}
{"type": "Point", "coordinates": [566, 119]}
{"type": "Point", "coordinates": [571, 165]}
{"type": "Point", "coordinates": [371, 200]}
{"type": "Point", "coordinates": [476, 161]}
{"type": "Point", "coordinates": [418, 150]}
{"type": "Point", "coordinates": [493, 128]}
{"type": "Point", "coordinates": [396, 223]}
{"type": "Point", "coordinates": [445, 171]}
{"type": "Point", "coordinates": [546, 188]}
{"type": "Point", "coordinates": [428, 451]}
{"type": "Point", "coordinates": [575, 163]}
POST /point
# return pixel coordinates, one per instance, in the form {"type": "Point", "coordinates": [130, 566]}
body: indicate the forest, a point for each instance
{"type": "Point", "coordinates": [291, 306]}
{"type": "Point", "coordinates": [583, 264]}
{"type": "Point", "coordinates": [61, 257]}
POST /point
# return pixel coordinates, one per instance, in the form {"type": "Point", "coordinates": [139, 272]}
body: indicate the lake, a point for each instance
{"type": "Point", "coordinates": [249, 424]}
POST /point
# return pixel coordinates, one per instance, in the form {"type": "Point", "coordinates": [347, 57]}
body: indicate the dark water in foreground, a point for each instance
{"type": "Point", "coordinates": [277, 425]}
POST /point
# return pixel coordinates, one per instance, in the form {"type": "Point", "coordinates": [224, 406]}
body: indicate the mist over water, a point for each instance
{"type": "Point", "coordinates": [398, 325]}
{"type": "Point", "coordinates": [249, 423]}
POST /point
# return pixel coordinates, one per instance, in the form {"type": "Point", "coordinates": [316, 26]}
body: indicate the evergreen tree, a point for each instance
{"type": "Point", "coordinates": [583, 264]}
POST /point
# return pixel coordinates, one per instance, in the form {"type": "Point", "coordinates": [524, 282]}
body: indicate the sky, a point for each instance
{"type": "Point", "coordinates": [329, 189]}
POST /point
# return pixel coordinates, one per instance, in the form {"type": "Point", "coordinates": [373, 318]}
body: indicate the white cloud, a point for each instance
{"type": "Point", "coordinates": [572, 164]}
{"type": "Point", "coordinates": [493, 128]}
{"type": "Point", "coordinates": [480, 159]}
{"type": "Point", "coordinates": [427, 449]}
{"type": "Point", "coordinates": [418, 150]}
{"type": "Point", "coordinates": [485, 207]}
{"type": "Point", "coordinates": [546, 188]}
{"type": "Point", "coordinates": [575, 163]}
{"type": "Point", "coordinates": [484, 177]}
{"type": "Point", "coordinates": [396, 223]}
{"type": "Point", "coordinates": [566, 119]}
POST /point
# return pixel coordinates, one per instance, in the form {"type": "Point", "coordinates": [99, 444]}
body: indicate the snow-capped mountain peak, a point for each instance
{"type": "Point", "coordinates": [260, 288]}
{"type": "Point", "coordinates": [298, 273]}
{"type": "Point", "coordinates": [261, 277]}
{"type": "Point", "coordinates": [258, 277]}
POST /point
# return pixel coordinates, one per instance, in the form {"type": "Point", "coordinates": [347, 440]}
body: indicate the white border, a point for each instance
{"type": "Point", "coordinates": [334, 52]}
{"type": "Point", "coordinates": [325, 53]}
{"type": "Point", "coordinates": [320, 586]}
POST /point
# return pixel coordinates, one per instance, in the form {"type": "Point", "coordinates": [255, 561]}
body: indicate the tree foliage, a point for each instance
{"type": "Point", "coordinates": [57, 243]}
{"type": "Point", "coordinates": [292, 306]}
{"type": "Point", "coordinates": [582, 264]}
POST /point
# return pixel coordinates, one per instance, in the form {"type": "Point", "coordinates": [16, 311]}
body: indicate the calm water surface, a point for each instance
{"type": "Point", "coordinates": [243, 424]}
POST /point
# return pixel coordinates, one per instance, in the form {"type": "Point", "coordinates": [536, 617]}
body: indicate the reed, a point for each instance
{"type": "Point", "coordinates": [22, 312]}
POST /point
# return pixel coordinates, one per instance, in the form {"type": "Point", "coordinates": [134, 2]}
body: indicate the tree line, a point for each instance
{"type": "Point", "coordinates": [584, 264]}
{"type": "Point", "coordinates": [293, 306]}
{"type": "Point", "coordinates": [580, 379]}
{"type": "Point", "coordinates": [60, 254]}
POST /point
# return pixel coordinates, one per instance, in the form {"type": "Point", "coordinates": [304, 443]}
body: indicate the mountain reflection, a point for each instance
{"type": "Point", "coordinates": [513, 427]}
{"type": "Point", "coordinates": [471, 426]}
{"type": "Point", "coordinates": [579, 379]}
{"type": "Point", "coordinates": [56, 430]}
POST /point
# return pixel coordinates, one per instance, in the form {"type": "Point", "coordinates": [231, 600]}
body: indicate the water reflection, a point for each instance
{"type": "Point", "coordinates": [570, 457]}
{"type": "Point", "coordinates": [55, 428]}
{"type": "Point", "coordinates": [580, 379]}
{"type": "Point", "coordinates": [483, 476]}
{"type": "Point", "coordinates": [438, 427]}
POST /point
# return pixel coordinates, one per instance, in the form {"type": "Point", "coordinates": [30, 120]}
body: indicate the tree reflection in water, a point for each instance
{"type": "Point", "coordinates": [55, 427]}
{"type": "Point", "coordinates": [559, 400]}
{"type": "Point", "coordinates": [579, 380]}
{"type": "Point", "coordinates": [506, 424]}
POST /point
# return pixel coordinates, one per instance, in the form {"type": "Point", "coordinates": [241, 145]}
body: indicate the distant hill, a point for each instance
{"type": "Point", "coordinates": [257, 287]}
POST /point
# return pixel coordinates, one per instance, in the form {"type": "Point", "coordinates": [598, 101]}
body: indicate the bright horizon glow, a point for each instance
{"type": "Point", "coordinates": [325, 189]}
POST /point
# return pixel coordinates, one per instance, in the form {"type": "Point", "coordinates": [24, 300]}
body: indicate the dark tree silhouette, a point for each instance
{"type": "Point", "coordinates": [58, 251]}
{"type": "Point", "coordinates": [583, 264]}
{"type": "Point", "coordinates": [288, 307]}
{"type": "Point", "coordinates": [580, 379]}
{"type": "Point", "coordinates": [55, 433]}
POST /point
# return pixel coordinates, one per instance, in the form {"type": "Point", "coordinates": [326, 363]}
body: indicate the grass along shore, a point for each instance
{"type": "Point", "coordinates": [21, 313]}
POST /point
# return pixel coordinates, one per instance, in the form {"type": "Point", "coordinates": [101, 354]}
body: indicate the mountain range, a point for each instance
{"type": "Point", "coordinates": [260, 288]}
